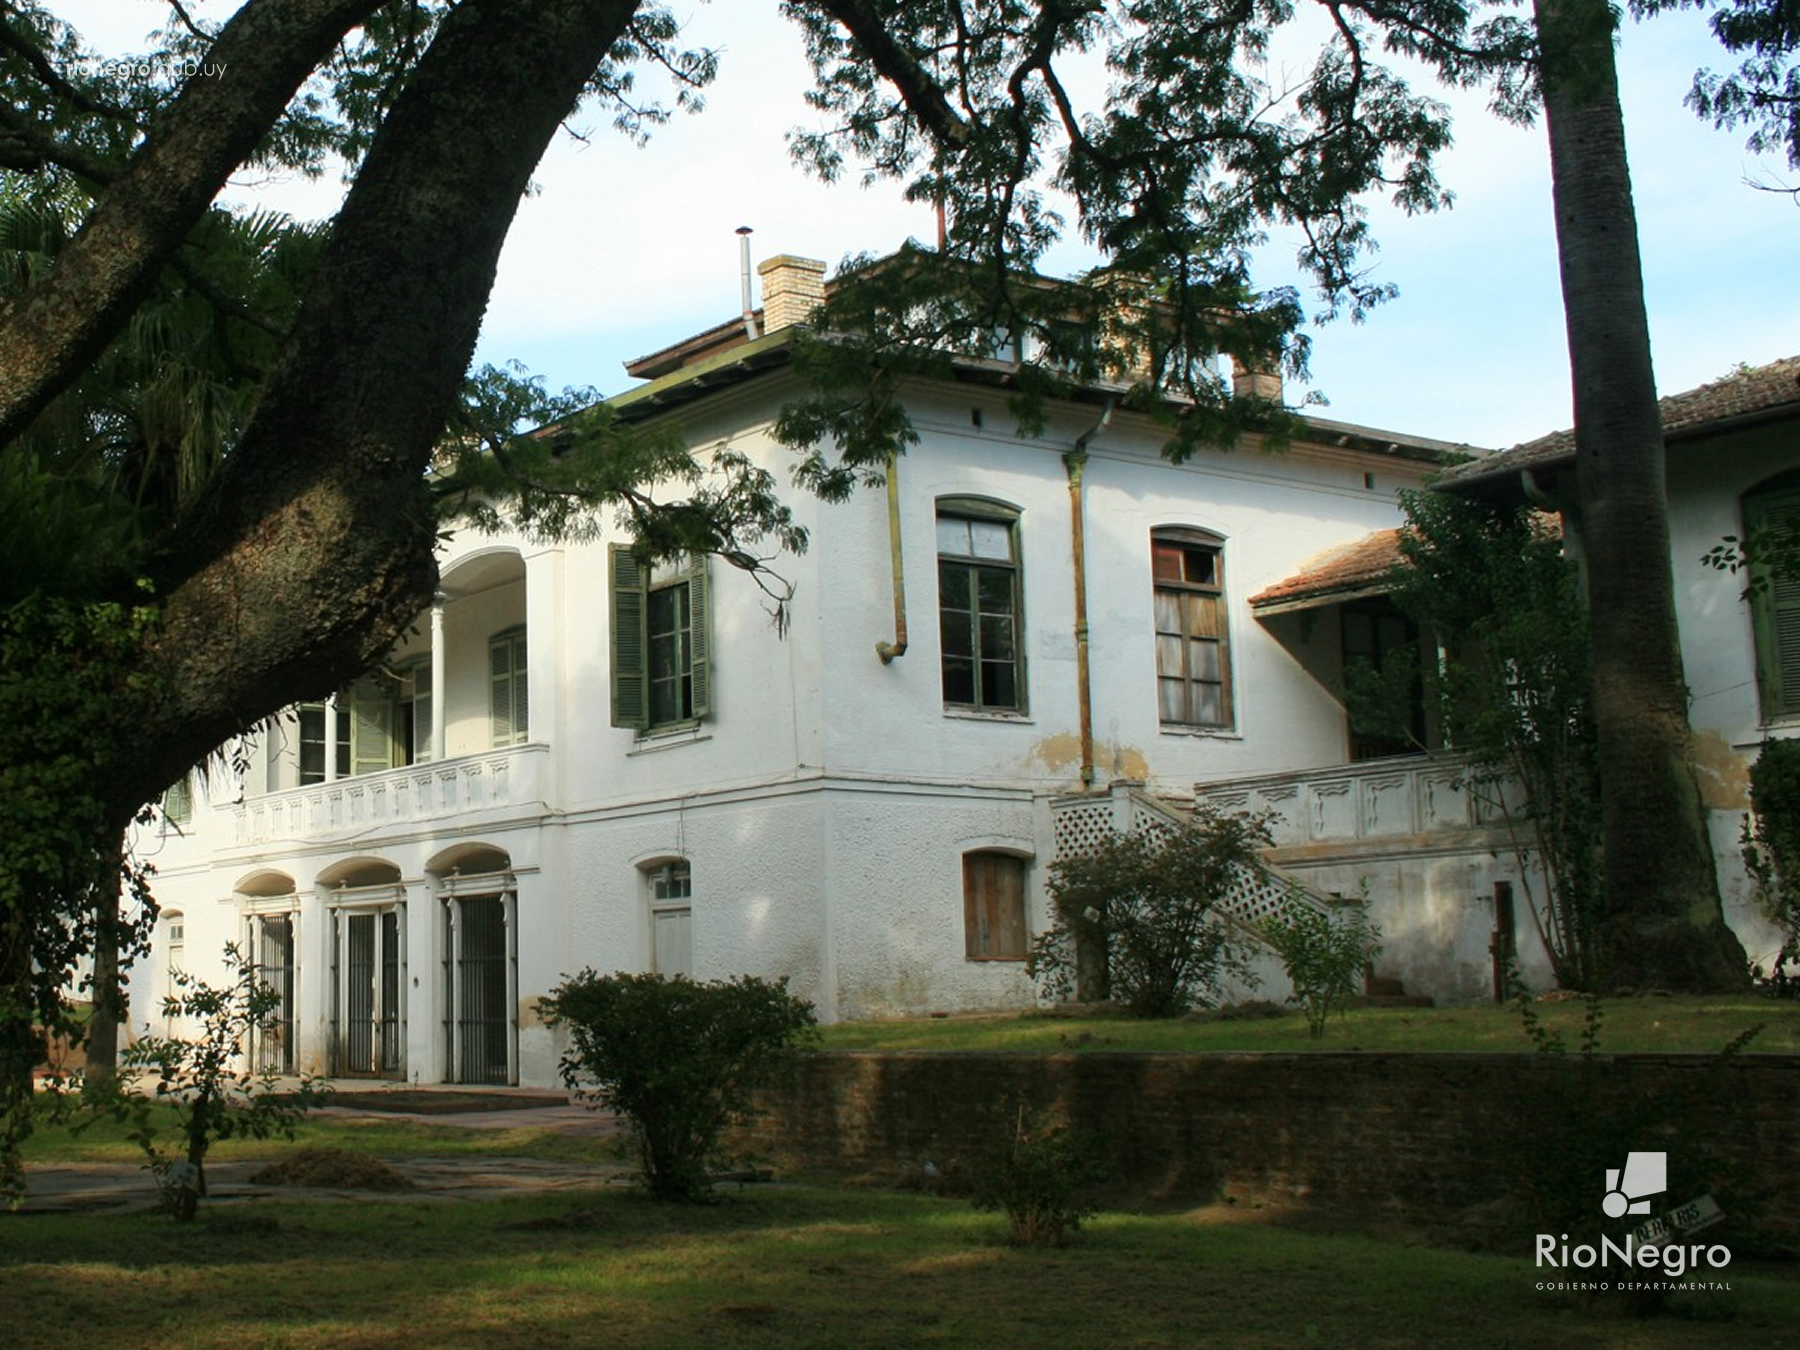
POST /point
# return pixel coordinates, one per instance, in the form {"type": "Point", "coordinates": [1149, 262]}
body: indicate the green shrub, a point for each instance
{"type": "Point", "coordinates": [1041, 1180]}
{"type": "Point", "coordinates": [1326, 956]}
{"type": "Point", "coordinates": [1772, 843]}
{"type": "Point", "coordinates": [205, 1080]}
{"type": "Point", "coordinates": [1136, 920]}
{"type": "Point", "coordinates": [677, 1058]}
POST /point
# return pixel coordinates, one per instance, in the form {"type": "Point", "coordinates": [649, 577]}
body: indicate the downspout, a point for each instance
{"type": "Point", "coordinates": [887, 651]}
{"type": "Point", "coordinates": [1076, 464]}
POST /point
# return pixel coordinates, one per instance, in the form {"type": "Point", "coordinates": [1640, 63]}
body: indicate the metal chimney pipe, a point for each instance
{"type": "Point", "coordinates": [743, 233]}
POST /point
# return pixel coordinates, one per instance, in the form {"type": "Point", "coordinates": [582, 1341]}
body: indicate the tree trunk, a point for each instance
{"type": "Point", "coordinates": [1661, 923]}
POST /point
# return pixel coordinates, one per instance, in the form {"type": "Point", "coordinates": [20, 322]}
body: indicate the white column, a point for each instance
{"type": "Point", "coordinates": [331, 739]}
{"type": "Point", "coordinates": [438, 719]}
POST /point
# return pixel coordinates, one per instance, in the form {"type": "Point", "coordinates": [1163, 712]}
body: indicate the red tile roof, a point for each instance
{"type": "Point", "coordinates": [1358, 568]}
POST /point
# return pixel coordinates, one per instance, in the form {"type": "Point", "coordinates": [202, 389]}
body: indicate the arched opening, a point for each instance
{"type": "Point", "coordinates": [271, 910]}
{"type": "Point", "coordinates": [480, 969]}
{"type": "Point", "coordinates": [366, 906]}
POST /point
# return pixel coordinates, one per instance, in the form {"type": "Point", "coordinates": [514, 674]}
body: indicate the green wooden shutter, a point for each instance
{"type": "Point", "coordinates": [420, 677]}
{"type": "Point", "coordinates": [699, 646]}
{"type": "Point", "coordinates": [629, 643]}
{"type": "Point", "coordinates": [372, 708]}
{"type": "Point", "coordinates": [508, 712]}
{"type": "Point", "coordinates": [1776, 616]}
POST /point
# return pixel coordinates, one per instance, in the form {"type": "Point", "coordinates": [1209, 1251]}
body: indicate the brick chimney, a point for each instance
{"type": "Point", "coordinates": [792, 288]}
{"type": "Point", "coordinates": [1248, 382]}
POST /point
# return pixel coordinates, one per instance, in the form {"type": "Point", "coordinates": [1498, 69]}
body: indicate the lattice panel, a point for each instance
{"type": "Point", "coordinates": [1081, 827]}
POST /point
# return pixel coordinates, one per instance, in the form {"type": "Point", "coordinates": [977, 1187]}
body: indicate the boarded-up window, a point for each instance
{"type": "Point", "coordinates": [994, 906]}
{"type": "Point", "coordinates": [1775, 611]}
{"type": "Point", "coordinates": [1193, 654]}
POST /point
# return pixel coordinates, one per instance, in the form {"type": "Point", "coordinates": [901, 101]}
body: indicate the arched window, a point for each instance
{"type": "Point", "coordinates": [1193, 645]}
{"type": "Point", "coordinates": [1775, 607]}
{"type": "Point", "coordinates": [994, 925]}
{"type": "Point", "coordinates": [980, 605]}
{"type": "Point", "coordinates": [670, 886]}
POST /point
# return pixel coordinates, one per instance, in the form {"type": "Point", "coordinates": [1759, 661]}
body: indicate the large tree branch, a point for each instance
{"type": "Point", "coordinates": [312, 550]}
{"type": "Point", "coordinates": [923, 94]}
{"type": "Point", "coordinates": [51, 331]}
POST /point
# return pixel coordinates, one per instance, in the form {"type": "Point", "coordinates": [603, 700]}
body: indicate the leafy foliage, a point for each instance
{"type": "Point", "coordinates": [1326, 955]}
{"type": "Point", "coordinates": [204, 1080]}
{"type": "Point", "coordinates": [1042, 1180]}
{"type": "Point", "coordinates": [1494, 589]}
{"type": "Point", "coordinates": [1771, 842]}
{"type": "Point", "coordinates": [1140, 913]}
{"type": "Point", "coordinates": [1763, 93]}
{"type": "Point", "coordinates": [676, 1057]}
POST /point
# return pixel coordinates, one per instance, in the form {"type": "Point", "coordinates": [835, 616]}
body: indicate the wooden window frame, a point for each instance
{"type": "Point", "coordinates": [1186, 592]}
{"type": "Point", "coordinates": [631, 582]}
{"type": "Point", "coordinates": [976, 510]}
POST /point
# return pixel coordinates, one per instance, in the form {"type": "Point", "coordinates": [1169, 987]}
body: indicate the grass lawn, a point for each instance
{"type": "Point", "coordinates": [793, 1266]}
{"type": "Point", "coordinates": [1699, 1025]}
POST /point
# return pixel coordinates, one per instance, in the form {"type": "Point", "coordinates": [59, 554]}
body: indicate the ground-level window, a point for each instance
{"type": "Point", "coordinates": [980, 605]}
{"type": "Point", "coordinates": [1775, 608]}
{"type": "Point", "coordinates": [994, 906]}
{"type": "Point", "coordinates": [671, 888]}
{"type": "Point", "coordinates": [1193, 655]}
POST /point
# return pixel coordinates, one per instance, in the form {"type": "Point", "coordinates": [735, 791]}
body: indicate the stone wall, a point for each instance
{"type": "Point", "coordinates": [1415, 1138]}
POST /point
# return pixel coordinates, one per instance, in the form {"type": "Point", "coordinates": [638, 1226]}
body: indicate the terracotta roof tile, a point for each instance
{"type": "Point", "coordinates": [1742, 393]}
{"type": "Point", "coordinates": [1358, 566]}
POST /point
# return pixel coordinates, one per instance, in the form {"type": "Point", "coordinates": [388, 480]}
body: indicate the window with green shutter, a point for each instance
{"type": "Point", "coordinates": [661, 668]}
{"type": "Point", "coordinates": [509, 708]}
{"type": "Point", "coordinates": [374, 715]}
{"type": "Point", "coordinates": [1775, 608]}
{"type": "Point", "coordinates": [178, 802]}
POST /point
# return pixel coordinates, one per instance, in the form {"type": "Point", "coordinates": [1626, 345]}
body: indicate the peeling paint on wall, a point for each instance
{"type": "Point", "coordinates": [1723, 772]}
{"type": "Point", "coordinates": [1062, 753]}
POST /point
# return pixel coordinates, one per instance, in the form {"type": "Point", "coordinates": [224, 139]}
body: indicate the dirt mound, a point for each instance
{"type": "Point", "coordinates": [334, 1169]}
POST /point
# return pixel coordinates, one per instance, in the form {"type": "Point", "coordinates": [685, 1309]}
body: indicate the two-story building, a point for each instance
{"type": "Point", "coordinates": [575, 761]}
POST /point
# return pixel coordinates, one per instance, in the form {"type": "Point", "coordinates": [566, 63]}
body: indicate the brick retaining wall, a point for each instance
{"type": "Point", "coordinates": [1416, 1137]}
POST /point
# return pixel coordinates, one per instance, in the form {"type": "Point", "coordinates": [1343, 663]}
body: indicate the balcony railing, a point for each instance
{"type": "Point", "coordinates": [468, 785]}
{"type": "Point", "coordinates": [1373, 800]}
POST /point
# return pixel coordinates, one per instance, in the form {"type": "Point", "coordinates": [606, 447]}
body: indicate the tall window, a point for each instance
{"type": "Point", "coordinates": [671, 888]}
{"type": "Point", "coordinates": [1375, 637]}
{"type": "Point", "coordinates": [314, 743]}
{"type": "Point", "coordinates": [1775, 609]}
{"type": "Point", "coordinates": [979, 606]}
{"type": "Point", "coordinates": [661, 676]}
{"type": "Point", "coordinates": [508, 699]}
{"type": "Point", "coordinates": [1193, 656]}
{"type": "Point", "coordinates": [994, 906]}
{"type": "Point", "coordinates": [178, 801]}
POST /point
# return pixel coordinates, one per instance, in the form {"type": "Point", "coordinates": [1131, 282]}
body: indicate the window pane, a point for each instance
{"type": "Point", "coordinates": [996, 590]}
{"type": "Point", "coordinates": [999, 685]}
{"type": "Point", "coordinates": [1171, 700]}
{"type": "Point", "coordinates": [1168, 656]}
{"type": "Point", "coordinates": [1203, 616]}
{"type": "Point", "coordinates": [1203, 661]}
{"type": "Point", "coordinates": [959, 679]}
{"type": "Point", "coordinates": [1165, 562]}
{"type": "Point", "coordinates": [958, 633]}
{"type": "Point", "coordinates": [1168, 612]}
{"type": "Point", "coordinates": [997, 637]}
{"type": "Point", "coordinates": [953, 536]}
{"type": "Point", "coordinates": [990, 539]}
{"type": "Point", "coordinates": [953, 586]}
{"type": "Point", "coordinates": [1209, 705]}
{"type": "Point", "coordinates": [1202, 566]}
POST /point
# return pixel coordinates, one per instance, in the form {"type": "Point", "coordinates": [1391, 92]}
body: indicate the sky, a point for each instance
{"type": "Point", "coordinates": [623, 250]}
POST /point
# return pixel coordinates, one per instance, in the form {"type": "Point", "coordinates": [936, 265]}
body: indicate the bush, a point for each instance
{"type": "Point", "coordinates": [1040, 1180]}
{"type": "Point", "coordinates": [214, 1097]}
{"type": "Point", "coordinates": [676, 1058]}
{"type": "Point", "coordinates": [1136, 921]}
{"type": "Point", "coordinates": [1772, 846]}
{"type": "Point", "coordinates": [1326, 956]}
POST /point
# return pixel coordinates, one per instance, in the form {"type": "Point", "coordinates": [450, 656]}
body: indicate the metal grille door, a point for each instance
{"type": "Point", "coordinates": [484, 1019]}
{"type": "Point", "coordinates": [272, 949]}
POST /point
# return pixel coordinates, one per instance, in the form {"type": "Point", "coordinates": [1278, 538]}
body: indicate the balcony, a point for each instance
{"type": "Point", "coordinates": [1372, 801]}
{"type": "Point", "coordinates": [504, 780]}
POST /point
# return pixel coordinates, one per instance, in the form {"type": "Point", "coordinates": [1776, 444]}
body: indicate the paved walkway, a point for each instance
{"type": "Point", "coordinates": [127, 1187]}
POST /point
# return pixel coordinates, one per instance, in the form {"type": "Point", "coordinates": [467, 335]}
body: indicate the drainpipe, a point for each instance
{"type": "Point", "coordinates": [887, 651]}
{"type": "Point", "coordinates": [1076, 464]}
